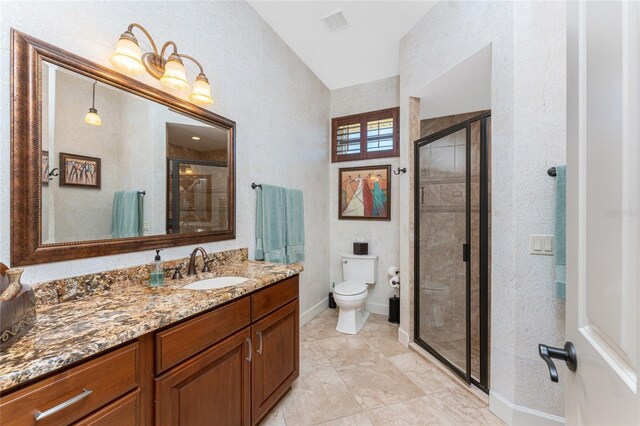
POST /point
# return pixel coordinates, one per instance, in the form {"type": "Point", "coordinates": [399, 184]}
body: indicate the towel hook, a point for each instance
{"type": "Point", "coordinates": [400, 170]}
{"type": "Point", "coordinates": [54, 173]}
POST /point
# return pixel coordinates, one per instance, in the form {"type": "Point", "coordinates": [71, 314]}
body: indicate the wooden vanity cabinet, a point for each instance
{"type": "Point", "coordinates": [275, 364]}
{"type": "Point", "coordinates": [227, 366]}
{"type": "Point", "coordinates": [235, 381]}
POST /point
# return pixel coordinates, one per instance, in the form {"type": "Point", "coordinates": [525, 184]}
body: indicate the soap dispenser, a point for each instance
{"type": "Point", "coordinates": [157, 271]}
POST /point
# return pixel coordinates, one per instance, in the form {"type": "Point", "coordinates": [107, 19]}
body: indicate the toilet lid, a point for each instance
{"type": "Point", "coordinates": [350, 288]}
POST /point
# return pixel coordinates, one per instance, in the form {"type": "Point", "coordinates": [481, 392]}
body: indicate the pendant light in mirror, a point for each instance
{"type": "Point", "coordinates": [129, 59]}
{"type": "Point", "coordinates": [92, 116]}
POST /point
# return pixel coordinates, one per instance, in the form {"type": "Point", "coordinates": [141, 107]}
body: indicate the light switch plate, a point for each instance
{"type": "Point", "coordinates": [541, 245]}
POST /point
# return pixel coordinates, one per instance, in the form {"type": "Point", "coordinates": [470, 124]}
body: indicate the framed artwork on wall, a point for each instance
{"type": "Point", "coordinates": [44, 168]}
{"type": "Point", "coordinates": [79, 170]}
{"type": "Point", "coordinates": [365, 193]}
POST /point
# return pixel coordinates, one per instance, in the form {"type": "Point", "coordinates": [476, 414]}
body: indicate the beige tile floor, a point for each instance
{"type": "Point", "coordinates": [371, 379]}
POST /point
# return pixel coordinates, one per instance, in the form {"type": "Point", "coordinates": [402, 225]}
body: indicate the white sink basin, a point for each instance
{"type": "Point", "coordinates": [212, 283]}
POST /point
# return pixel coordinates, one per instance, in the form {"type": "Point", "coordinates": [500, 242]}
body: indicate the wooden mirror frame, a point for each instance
{"type": "Point", "coordinates": [26, 134]}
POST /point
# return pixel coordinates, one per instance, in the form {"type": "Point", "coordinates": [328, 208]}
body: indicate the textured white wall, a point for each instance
{"type": "Point", "coordinates": [528, 135]}
{"type": "Point", "coordinates": [281, 109]}
{"type": "Point", "coordinates": [76, 207]}
{"type": "Point", "coordinates": [382, 236]}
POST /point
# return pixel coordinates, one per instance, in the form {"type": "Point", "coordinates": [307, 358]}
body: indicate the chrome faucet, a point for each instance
{"type": "Point", "coordinates": [191, 270]}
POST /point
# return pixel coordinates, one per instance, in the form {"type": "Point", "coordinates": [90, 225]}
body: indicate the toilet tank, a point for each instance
{"type": "Point", "coordinates": [359, 268]}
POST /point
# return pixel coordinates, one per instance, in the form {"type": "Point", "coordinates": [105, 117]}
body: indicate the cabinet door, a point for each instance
{"type": "Point", "coordinates": [275, 358]}
{"type": "Point", "coordinates": [213, 387]}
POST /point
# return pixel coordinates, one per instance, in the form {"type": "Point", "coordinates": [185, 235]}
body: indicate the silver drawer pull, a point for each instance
{"type": "Point", "coordinates": [85, 393]}
{"type": "Point", "coordinates": [250, 350]}
{"type": "Point", "coordinates": [259, 342]}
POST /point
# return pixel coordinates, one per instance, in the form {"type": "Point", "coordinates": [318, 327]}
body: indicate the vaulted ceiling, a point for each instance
{"type": "Point", "coordinates": [366, 49]}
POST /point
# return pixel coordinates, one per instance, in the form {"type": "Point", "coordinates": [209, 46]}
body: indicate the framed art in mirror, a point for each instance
{"type": "Point", "coordinates": [144, 169]}
{"type": "Point", "coordinates": [79, 170]}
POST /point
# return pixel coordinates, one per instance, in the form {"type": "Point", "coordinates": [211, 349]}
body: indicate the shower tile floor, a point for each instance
{"type": "Point", "coordinates": [371, 379]}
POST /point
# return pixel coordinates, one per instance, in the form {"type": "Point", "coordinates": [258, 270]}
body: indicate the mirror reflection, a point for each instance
{"type": "Point", "coordinates": [116, 165]}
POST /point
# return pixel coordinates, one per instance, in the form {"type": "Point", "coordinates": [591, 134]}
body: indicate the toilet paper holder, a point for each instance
{"type": "Point", "coordinates": [394, 273]}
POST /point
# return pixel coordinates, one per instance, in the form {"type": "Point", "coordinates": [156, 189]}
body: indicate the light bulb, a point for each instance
{"type": "Point", "coordinates": [174, 73]}
{"type": "Point", "coordinates": [127, 55]}
{"type": "Point", "coordinates": [93, 118]}
{"type": "Point", "coordinates": [201, 94]}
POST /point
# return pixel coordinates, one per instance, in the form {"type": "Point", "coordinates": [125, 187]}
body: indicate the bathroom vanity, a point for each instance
{"type": "Point", "coordinates": [229, 361]}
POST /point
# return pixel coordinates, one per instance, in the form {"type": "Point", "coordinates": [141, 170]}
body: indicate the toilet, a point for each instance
{"type": "Point", "coordinates": [358, 272]}
{"type": "Point", "coordinates": [437, 301]}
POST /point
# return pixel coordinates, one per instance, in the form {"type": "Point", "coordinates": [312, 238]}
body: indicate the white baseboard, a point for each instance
{"type": "Point", "coordinates": [312, 312]}
{"type": "Point", "coordinates": [403, 337]}
{"type": "Point", "coordinates": [517, 415]}
{"type": "Point", "coordinates": [377, 308]}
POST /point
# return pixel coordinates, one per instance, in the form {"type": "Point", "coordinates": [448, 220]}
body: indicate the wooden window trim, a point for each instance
{"type": "Point", "coordinates": [363, 118]}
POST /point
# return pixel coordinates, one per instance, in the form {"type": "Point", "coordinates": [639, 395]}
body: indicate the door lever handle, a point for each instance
{"type": "Point", "coordinates": [568, 355]}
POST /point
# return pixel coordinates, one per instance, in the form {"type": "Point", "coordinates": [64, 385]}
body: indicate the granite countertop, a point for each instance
{"type": "Point", "coordinates": [70, 331]}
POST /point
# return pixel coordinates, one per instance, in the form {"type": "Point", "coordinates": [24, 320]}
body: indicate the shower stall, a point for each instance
{"type": "Point", "coordinates": [452, 202]}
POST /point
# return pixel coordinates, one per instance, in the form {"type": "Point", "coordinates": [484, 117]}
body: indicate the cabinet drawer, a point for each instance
{"type": "Point", "coordinates": [181, 341]}
{"type": "Point", "coordinates": [273, 297]}
{"type": "Point", "coordinates": [122, 412]}
{"type": "Point", "coordinates": [72, 394]}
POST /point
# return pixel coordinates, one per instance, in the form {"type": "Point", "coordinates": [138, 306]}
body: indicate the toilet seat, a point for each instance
{"type": "Point", "coordinates": [350, 288]}
{"type": "Point", "coordinates": [435, 287]}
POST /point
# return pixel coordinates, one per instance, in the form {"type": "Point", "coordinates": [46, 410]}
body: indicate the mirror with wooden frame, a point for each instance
{"type": "Point", "coordinates": [103, 164]}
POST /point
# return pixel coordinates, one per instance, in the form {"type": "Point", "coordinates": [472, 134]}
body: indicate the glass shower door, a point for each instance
{"type": "Point", "coordinates": [452, 247]}
{"type": "Point", "coordinates": [443, 232]}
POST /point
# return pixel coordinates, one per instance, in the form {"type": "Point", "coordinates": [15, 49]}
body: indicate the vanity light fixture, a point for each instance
{"type": "Point", "coordinates": [186, 170]}
{"type": "Point", "coordinates": [129, 59]}
{"type": "Point", "coordinates": [92, 116]}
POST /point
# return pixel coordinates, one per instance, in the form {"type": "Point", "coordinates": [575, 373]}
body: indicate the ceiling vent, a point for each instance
{"type": "Point", "coordinates": [335, 20]}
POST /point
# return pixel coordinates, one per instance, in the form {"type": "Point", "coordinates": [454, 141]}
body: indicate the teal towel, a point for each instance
{"type": "Point", "coordinates": [279, 225]}
{"type": "Point", "coordinates": [560, 231]}
{"type": "Point", "coordinates": [294, 206]}
{"type": "Point", "coordinates": [127, 215]}
{"type": "Point", "coordinates": [270, 224]}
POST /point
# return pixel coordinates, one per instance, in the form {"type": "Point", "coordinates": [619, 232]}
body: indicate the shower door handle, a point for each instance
{"type": "Point", "coordinates": [465, 253]}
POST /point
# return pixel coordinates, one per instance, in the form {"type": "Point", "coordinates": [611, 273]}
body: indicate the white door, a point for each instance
{"type": "Point", "coordinates": [603, 237]}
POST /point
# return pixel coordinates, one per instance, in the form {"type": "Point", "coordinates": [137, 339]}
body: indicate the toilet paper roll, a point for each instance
{"type": "Point", "coordinates": [393, 270]}
{"type": "Point", "coordinates": [394, 282]}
